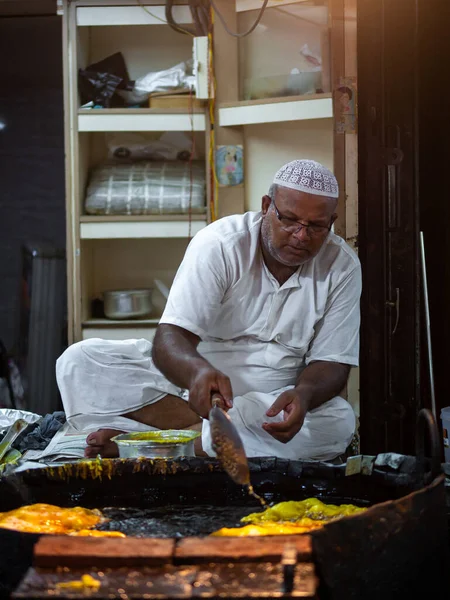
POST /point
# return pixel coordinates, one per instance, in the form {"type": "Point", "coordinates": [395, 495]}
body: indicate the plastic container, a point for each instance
{"type": "Point", "coordinates": [445, 418]}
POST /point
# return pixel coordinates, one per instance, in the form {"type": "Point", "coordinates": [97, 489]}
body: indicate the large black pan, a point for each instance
{"type": "Point", "coordinates": [398, 545]}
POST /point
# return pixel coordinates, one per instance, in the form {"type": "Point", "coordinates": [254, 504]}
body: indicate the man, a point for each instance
{"type": "Point", "coordinates": [263, 311]}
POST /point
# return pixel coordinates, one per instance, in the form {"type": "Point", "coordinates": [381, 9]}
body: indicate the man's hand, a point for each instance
{"type": "Point", "coordinates": [209, 382]}
{"type": "Point", "coordinates": [295, 408]}
{"type": "Point", "coordinates": [175, 355]}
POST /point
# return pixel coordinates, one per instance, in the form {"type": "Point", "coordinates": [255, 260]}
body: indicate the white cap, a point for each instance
{"type": "Point", "coordinates": [308, 176]}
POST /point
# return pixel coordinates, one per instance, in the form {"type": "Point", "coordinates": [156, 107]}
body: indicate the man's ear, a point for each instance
{"type": "Point", "coordinates": [266, 202]}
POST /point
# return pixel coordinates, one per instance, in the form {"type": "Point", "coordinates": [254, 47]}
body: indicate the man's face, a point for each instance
{"type": "Point", "coordinates": [282, 235]}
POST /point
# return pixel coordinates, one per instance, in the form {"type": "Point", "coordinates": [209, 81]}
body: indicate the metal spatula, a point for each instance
{"type": "Point", "coordinates": [227, 444]}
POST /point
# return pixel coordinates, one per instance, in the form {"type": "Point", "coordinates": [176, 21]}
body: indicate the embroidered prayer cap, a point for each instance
{"type": "Point", "coordinates": [308, 176]}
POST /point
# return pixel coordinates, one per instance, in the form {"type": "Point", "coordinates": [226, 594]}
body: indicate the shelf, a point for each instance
{"type": "Point", "coordinates": [99, 229]}
{"type": "Point", "coordinates": [120, 323]}
{"type": "Point", "coordinates": [244, 5]}
{"type": "Point", "coordinates": [140, 119]}
{"type": "Point", "coordinates": [98, 16]}
{"type": "Point", "coordinates": [141, 218]}
{"type": "Point", "coordinates": [119, 333]}
{"type": "Point", "coordinates": [275, 110]}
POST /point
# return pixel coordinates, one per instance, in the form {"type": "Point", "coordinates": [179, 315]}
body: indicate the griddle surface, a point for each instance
{"type": "Point", "coordinates": [173, 521]}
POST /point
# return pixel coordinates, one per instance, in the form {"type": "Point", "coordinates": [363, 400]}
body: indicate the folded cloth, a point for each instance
{"type": "Point", "coordinates": [110, 378]}
{"type": "Point", "coordinates": [38, 435]}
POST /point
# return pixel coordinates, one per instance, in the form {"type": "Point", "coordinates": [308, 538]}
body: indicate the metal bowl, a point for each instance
{"type": "Point", "coordinates": [127, 304]}
{"type": "Point", "coordinates": [168, 443]}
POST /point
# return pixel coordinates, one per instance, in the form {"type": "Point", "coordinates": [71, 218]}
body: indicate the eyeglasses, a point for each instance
{"type": "Point", "coordinates": [293, 226]}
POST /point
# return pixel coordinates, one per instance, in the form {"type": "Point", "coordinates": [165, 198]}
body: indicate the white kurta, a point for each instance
{"type": "Point", "coordinates": [255, 331]}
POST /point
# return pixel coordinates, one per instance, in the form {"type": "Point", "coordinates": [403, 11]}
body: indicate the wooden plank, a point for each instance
{"type": "Point", "coordinates": [73, 254]}
{"type": "Point", "coordinates": [87, 276]}
{"type": "Point", "coordinates": [94, 16]}
{"type": "Point", "coordinates": [326, 57]}
{"type": "Point", "coordinates": [97, 120]}
{"type": "Point", "coordinates": [148, 3]}
{"type": "Point", "coordinates": [150, 229]}
{"type": "Point", "coordinates": [351, 139]}
{"type": "Point", "coordinates": [276, 113]}
{"type": "Point", "coordinates": [251, 549]}
{"type": "Point", "coordinates": [138, 111]}
{"type": "Point", "coordinates": [337, 71]}
{"type": "Point", "coordinates": [71, 551]}
{"type": "Point", "coordinates": [68, 176]}
{"type": "Point", "coordinates": [244, 5]}
{"type": "Point", "coordinates": [119, 333]}
{"type": "Point", "coordinates": [225, 50]}
{"type": "Point", "coordinates": [208, 166]}
{"type": "Point", "coordinates": [351, 172]}
{"type": "Point", "coordinates": [139, 218]}
{"type": "Point", "coordinates": [119, 323]}
{"type": "Point", "coordinates": [273, 100]}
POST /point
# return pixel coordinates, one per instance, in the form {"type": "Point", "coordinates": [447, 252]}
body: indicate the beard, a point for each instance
{"type": "Point", "coordinates": [276, 253]}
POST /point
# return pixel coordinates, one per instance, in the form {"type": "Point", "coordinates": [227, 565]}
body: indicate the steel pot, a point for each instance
{"type": "Point", "coordinates": [169, 443]}
{"type": "Point", "coordinates": [127, 304]}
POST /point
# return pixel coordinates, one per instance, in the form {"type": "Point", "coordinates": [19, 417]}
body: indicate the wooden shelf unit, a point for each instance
{"type": "Point", "coordinates": [121, 251]}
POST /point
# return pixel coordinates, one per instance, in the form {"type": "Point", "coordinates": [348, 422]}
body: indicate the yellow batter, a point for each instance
{"type": "Point", "coordinates": [46, 518]}
{"type": "Point", "coordinates": [290, 518]}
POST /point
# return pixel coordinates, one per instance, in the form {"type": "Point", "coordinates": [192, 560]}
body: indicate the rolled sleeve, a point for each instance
{"type": "Point", "coordinates": [336, 337]}
{"type": "Point", "coordinates": [199, 286]}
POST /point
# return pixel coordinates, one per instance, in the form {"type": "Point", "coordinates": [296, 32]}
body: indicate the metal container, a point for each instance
{"type": "Point", "coordinates": [127, 304]}
{"type": "Point", "coordinates": [170, 443]}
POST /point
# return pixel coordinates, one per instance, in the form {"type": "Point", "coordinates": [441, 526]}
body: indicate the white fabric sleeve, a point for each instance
{"type": "Point", "coordinates": [336, 337]}
{"type": "Point", "coordinates": [199, 286]}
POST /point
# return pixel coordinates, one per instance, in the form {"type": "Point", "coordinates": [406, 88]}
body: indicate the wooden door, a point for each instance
{"type": "Point", "coordinates": [388, 210]}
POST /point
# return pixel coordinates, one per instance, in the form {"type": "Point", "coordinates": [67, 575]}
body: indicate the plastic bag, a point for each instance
{"type": "Point", "coordinates": [8, 416]}
{"type": "Point", "coordinates": [97, 87]}
{"type": "Point", "coordinates": [115, 65]}
{"type": "Point", "coordinates": [39, 435]}
{"type": "Point", "coordinates": [99, 82]}
{"type": "Point", "coordinates": [172, 145]}
{"type": "Point", "coordinates": [313, 61]}
{"type": "Point", "coordinates": [179, 77]}
{"type": "Point", "coordinates": [307, 77]}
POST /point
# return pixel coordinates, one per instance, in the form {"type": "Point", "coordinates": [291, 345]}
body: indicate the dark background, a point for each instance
{"type": "Point", "coordinates": [404, 128]}
{"type": "Point", "coordinates": [32, 186]}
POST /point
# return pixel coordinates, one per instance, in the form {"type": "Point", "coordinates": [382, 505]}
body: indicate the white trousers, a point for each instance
{"type": "Point", "coordinates": [101, 380]}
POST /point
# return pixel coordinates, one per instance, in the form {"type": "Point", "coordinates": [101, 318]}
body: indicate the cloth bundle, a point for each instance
{"type": "Point", "coordinates": [146, 188]}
